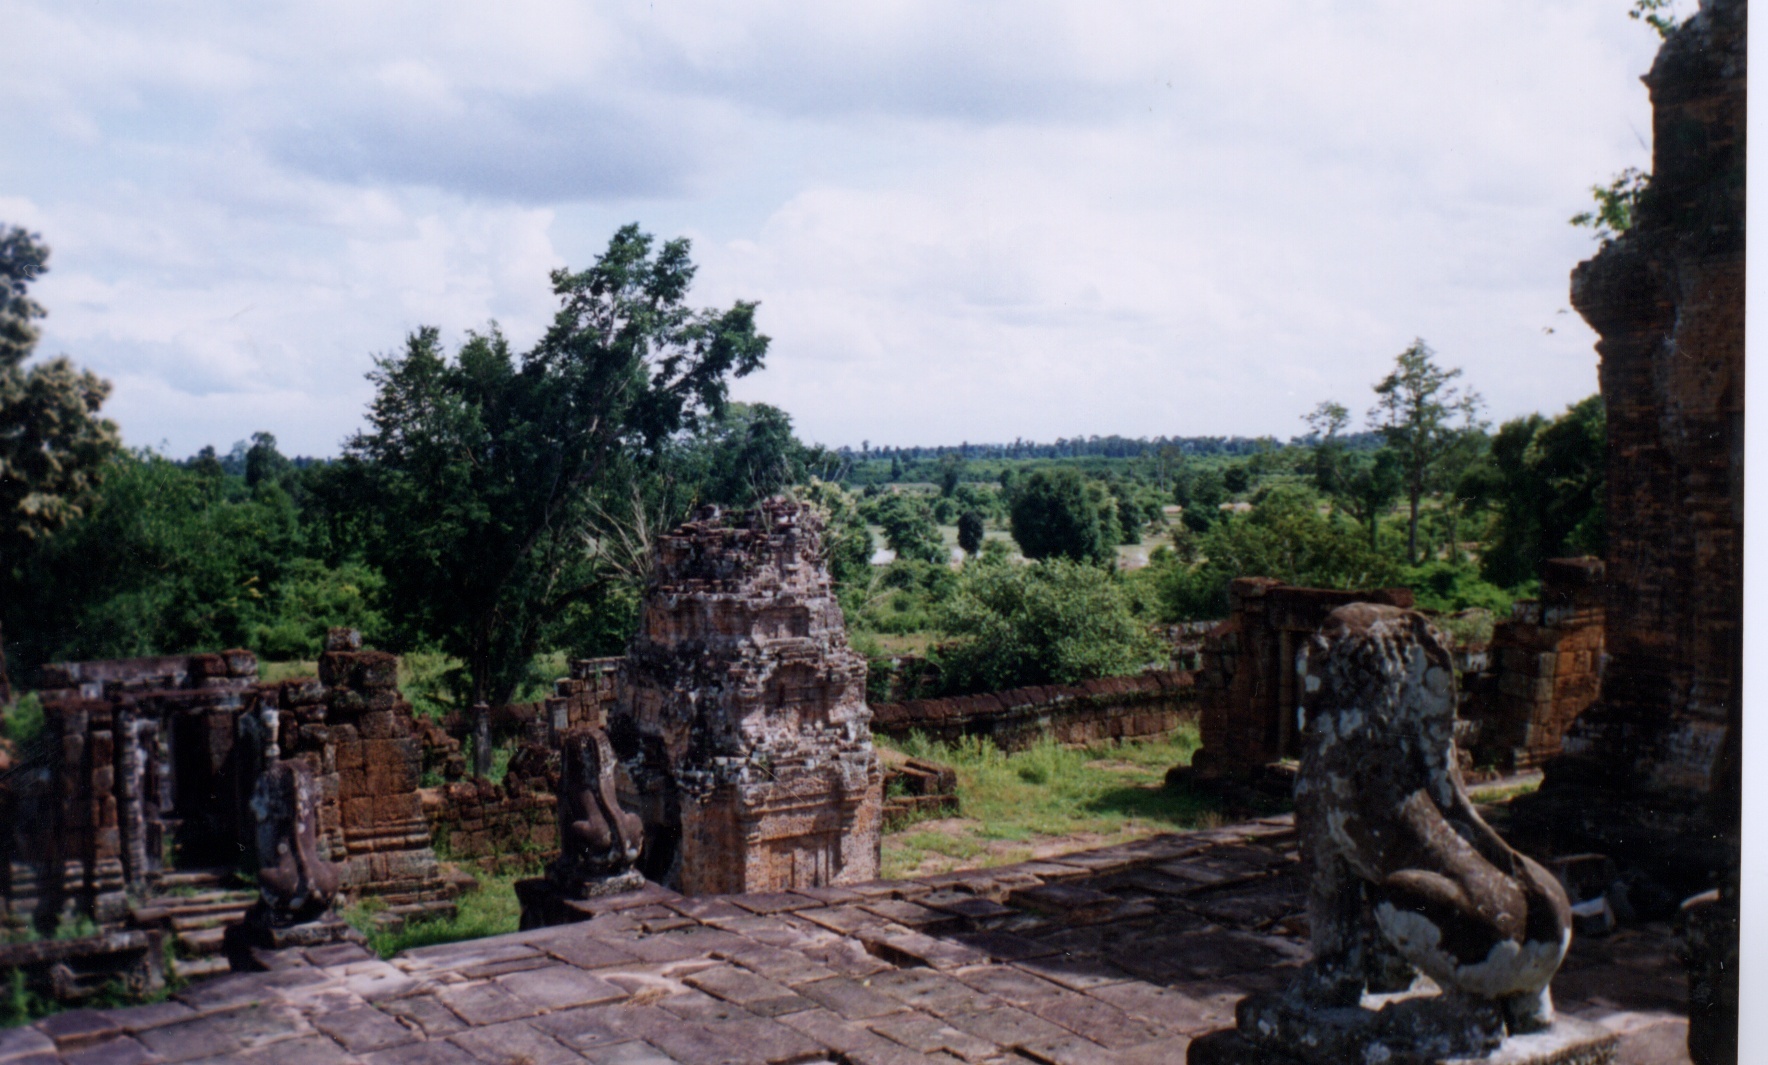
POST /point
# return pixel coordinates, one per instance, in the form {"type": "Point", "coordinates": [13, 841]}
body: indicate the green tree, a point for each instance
{"type": "Point", "coordinates": [53, 444]}
{"type": "Point", "coordinates": [1057, 513]}
{"type": "Point", "coordinates": [970, 532]}
{"type": "Point", "coordinates": [753, 454]}
{"type": "Point", "coordinates": [1284, 537]}
{"type": "Point", "coordinates": [909, 528]}
{"type": "Point", "coordinates": [1369, 484]}
{"type": "Point", "coordinates": [1414, 407]}
{"type": "Point", "coordinates": [264, 462]}
{"type": "Point", "coordinates": [170, 558]}
{"type": "Point", "coordinates": [1546, 480]}
{"type": "Point", "coordinates": [847, 542]}
{"type": "Point", "coordinates": [951, 471]}
{"type": "Point", "coordinates": [1204, 493]}
{"type": "Point", "coordinates": [499, 483]}
{"type": "Point", "coordinates": [1052, 622]}
{"type": "Point", "coordinates": [1328, 458]}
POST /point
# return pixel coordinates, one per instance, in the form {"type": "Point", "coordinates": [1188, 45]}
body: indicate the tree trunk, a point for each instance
{"type": "Point", "coordinates": [1412, 528]}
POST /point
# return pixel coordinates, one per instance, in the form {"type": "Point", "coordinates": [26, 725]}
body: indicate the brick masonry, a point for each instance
{"type": "Point", "coordinates": [741, 715]}
{"type": "Point", "coordinates": [1649, 772]}
{"type": "Point", "coordinates": [1247, 690]}
{"type": "Point", "coordinates": [1544, 668]}
{"type": "Point", "coordinates": [1144, 706]}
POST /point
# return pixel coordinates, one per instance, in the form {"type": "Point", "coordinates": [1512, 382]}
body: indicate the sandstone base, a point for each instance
{"type": "Point", "coordinates": [543, 904]}
{"type": "Point", "coordinates": [1568, 1042]}
{"type": "Point", "coordinates": [244, 942]}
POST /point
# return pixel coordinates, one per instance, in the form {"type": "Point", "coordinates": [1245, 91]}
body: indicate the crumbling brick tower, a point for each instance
{"type": "Point", "coordinates": [1643, 772]}
{"type": "Point", "coordinates": [741, 715]}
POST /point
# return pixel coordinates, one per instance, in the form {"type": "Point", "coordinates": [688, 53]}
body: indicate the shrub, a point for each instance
{"type": "Point", "coordinates": [1053, 622]}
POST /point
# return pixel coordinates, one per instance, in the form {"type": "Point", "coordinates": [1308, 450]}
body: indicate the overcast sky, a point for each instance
{"type": "Point", "coordinates": [972, 221]}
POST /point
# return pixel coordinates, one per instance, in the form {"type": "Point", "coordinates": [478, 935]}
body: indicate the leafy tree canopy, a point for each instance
{"type": "Point", "coordinates": [970, 532]}
{"type": "Point", "coordinates": [1284, 536]}
{"type": "Point", "coordinates": [1052, 622]}
{"type": "Point", "coordinates": [53, 444]}
{"type": "Point", "coordinates": [1057, 513]}
{"type": "Point", "coordinates": [1547, 480]}
{"type": "Point", "coordinates": [909, 527]}
{"type": "Point", "coordinates": [501, 484]}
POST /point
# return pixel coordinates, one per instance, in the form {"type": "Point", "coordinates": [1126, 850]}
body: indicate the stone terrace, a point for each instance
{"type": "Point", "coordinates": [1114, 955]}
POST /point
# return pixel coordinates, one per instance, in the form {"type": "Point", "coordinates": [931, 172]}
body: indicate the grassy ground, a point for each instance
{"type": "Point", "coordinates": [1045, 800]}
{"type": "Point", "coordinates": [492, 910]}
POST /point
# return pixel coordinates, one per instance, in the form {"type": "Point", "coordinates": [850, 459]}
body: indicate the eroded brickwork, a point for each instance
{"type": "Point", "coordinates": [1144, 706]}
{"type": "Point", "coordinates": [358, 733]}
{"type": "Point", "coordinates": [1248, 690]}
{"type": "Point", "coordinates": [1643, 776]}
{"type": "Point", "coordinates": [741, 714]}
{"type": "Point", "coordinates": [1544, 668]}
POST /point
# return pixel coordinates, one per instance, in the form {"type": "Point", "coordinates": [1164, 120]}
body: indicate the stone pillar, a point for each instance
{"type": "Point", "coordinates": [741, 713]}
{"type": "Point", "coordinates": [481, 740]}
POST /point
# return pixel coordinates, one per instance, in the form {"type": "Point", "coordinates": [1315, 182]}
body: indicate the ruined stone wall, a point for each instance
{"type": "Point", "coordinates": [741, 715]}
{"type": "Point", "coordinates": [94, 808]}
{"type": "Point", "coordinates": [1544, 668]}
{"type": "Point", "coordinates": [499, 828]}
{"type": "Point", "coordinates": [359, 735]}
{"type": "Point", "coordinates": [1248, 689]}
{"type": "Point", "coordinates": [512, 825]}
{"type": "Point", "coordinates": [1144, 706]}
{"type": "Point", "coordinates": [1667, 299]}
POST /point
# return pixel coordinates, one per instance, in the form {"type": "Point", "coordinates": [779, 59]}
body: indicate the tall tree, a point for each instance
{"type": "Point", "coordinates": [1415, 408]}
{"type": "Point", "coordinates": [1058, 513]}
{"type": "Point", "coordinates": [1547, 479]}
{"type": "Point", "coordinates": [53, 444]}
{"type": "Point", "coordinates": [1326, 463]}
{"type": "Point", "coordinates": [970, 532]}
{"type": "Point", "coordinates": [500, 482]}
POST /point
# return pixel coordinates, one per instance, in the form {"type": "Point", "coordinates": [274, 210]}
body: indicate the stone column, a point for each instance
{"type": "Point", "coordinates": [481, 740]}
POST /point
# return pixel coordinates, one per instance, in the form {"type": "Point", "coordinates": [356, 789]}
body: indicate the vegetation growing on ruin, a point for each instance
{"type": "Point", "coordinates": [490, 909]}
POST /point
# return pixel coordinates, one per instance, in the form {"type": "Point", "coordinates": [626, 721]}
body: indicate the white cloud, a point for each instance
{"type": "Point", "coordinates": [971, 222]}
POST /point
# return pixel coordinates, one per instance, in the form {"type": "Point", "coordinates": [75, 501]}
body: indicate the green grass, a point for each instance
{"type": "Point", "coordinates": [1012, 803]}
{"type": "Point", "coordinates": [277, 672]}
{"type": "Point", "coordinates": [492, 910]}
{"type": "Point", "coordinates": [23, 721]}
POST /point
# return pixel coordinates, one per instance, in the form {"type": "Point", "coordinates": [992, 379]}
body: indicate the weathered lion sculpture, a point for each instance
{"type": "Point", "coordinates": [1405, 876]}
{"type": "Point", "coordinates": [598, 841]}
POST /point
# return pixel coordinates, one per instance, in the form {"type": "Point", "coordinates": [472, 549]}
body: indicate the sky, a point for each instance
{"type": "Point", "coordinates": [963, 222]}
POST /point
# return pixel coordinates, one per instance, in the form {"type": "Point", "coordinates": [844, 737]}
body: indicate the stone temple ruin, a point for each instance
{"type": "Point", "coordinates": [737, 729]}
{"type": "Point", "coordinates": [742, 718]}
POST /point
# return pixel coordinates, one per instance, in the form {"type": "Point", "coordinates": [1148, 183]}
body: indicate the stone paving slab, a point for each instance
{"type": "Point", "coordinates": [1120, 955]}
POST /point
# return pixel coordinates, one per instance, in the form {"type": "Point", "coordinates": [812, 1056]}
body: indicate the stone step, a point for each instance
{"type": "Point", "coordinates": [193, 922]}
{"type": "Point", "coordinates": [202, 942]}
{"type": "Point", "coordinates": [196, 968]}
{"type": "Point", "coordinates": [196, 878]}
{"type": "Point", "coordinates": [160, 910]}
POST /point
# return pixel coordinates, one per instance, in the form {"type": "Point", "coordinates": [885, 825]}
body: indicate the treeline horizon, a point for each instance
{"type": "Point", "coordinates": [1112, 446]}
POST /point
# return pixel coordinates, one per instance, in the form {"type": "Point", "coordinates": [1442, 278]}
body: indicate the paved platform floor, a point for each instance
{"type": "Point", "coordinates": [1118, 955]}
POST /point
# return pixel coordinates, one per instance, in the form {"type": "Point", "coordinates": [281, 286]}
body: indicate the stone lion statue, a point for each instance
{"type": "Point", "coordinates": [598, 840]}
{"type": "Point", "coordinates": [1405, 876]}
